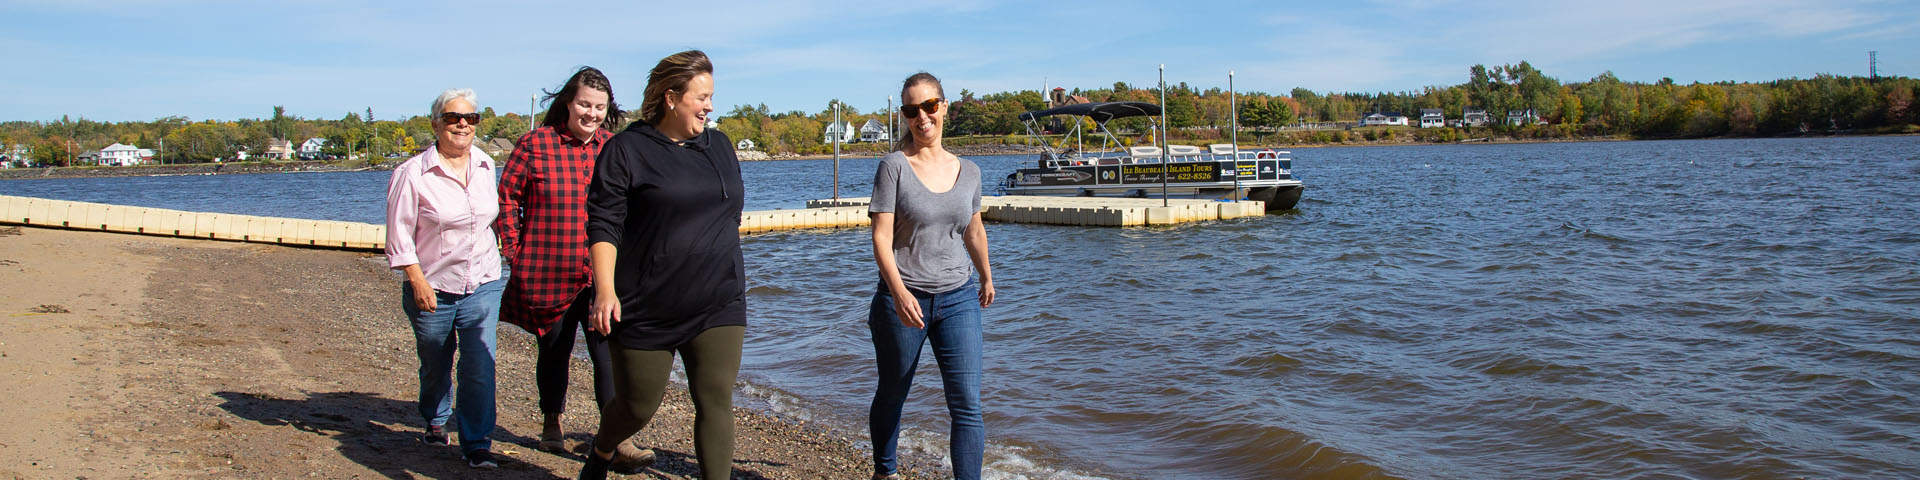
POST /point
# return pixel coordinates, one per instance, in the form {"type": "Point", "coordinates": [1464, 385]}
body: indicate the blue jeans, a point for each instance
{"type": "Point", "coordinates": [953, 326]}
{"type": "Point", "coordinates": [464, 323]}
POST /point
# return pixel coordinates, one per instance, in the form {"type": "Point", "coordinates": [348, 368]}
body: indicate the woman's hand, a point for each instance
{"type": "Point", "coordinates": [423, 296]}
{"type": "Point", "coordinates": [908, 309]}
{"type": "Point", "coordinates": [606, 311]}
{"type": "Point", "coordinates": [986, 294]}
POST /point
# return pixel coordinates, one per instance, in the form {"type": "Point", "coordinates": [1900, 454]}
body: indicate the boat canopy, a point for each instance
{"type": "Point", "coordinates": [1099, 112]}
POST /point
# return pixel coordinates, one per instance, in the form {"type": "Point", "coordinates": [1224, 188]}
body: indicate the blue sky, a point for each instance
{"type": "Point", "coordinates": [118, 60]}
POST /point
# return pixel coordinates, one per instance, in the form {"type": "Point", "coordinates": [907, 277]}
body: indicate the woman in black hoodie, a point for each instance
{"type": "Point", "coordinates": [663, 229]}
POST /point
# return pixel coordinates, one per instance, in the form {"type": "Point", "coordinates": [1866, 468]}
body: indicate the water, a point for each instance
{"type": "Point", "coordinates": [1693, 309]}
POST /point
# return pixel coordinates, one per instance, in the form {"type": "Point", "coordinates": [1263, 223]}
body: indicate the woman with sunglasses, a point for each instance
{"type": "Point", "coordinates": [543, 236]}
{"type": "Point", "coordinates": [663, 229]}
{"type": "Point", "coordinates": [440, 210]}
{"type": "Point", "coordinates": [926, 233]}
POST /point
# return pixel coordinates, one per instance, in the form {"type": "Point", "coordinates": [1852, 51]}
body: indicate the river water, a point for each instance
{"type": "Point", "coordinates": [1669, 309]}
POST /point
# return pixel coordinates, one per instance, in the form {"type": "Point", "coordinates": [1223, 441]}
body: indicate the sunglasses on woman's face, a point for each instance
{"type": "Point", "coordinates": [931, 106]}
{"type": "Point", "coordinates": [450, 118]}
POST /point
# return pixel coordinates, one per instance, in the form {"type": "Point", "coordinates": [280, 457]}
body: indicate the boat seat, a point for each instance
{"type": "Point", "coordinates": [1146, 151]}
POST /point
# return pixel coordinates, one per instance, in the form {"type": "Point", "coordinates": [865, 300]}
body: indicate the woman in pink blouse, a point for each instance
{"type": "Point", "coordinates": [440, 210]}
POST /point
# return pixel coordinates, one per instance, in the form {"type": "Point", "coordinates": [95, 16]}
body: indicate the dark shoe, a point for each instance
{"type": "Point", "coordinates": [481, 459]}
{"type": "Point", "coordinates": [629, 459]}
{"type": "Point", "coordinates": [595, 467]}
{"type": "Point", "coordinates": [435, 435]}
{"type": "Point", "coordinates": [553, 440]}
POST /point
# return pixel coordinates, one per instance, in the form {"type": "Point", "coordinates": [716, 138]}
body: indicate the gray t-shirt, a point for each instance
{"type": "Point", "coordinates": [928, 226]}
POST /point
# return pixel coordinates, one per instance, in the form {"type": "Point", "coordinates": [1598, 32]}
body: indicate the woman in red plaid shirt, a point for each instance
{"type": "Point", "coordinates": [542, 227]}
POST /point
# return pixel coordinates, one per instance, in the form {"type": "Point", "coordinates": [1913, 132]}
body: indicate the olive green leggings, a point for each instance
{"type": "Point", "coordinates": [640, 379]}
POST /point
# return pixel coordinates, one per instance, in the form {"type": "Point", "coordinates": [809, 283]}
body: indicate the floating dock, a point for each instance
{"type": "Point", "coordinates": [42, 212]}
{"type": "Point", "coordinates": [842, 213]}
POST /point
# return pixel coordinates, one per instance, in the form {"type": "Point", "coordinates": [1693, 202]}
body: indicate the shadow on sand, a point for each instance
{"type": "Point", "coordinates": [383, 435]}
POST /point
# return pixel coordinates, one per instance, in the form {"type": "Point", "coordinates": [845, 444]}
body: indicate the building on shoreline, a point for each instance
{"type": "Point", "coordinates": [842, 129]}
{"type": "Point", "coordinates": [1432, 118]}
{"type": "Point", "coordinates": [1475, 117]}
{"type": "Point", "coordinates": [310, 149]}
{"type": "Point", "coordinates": [1376, 119]}
{"type": "Point", "coordinates": [874, 131]}
{"type": "Point", "coordinates": [119, 155]}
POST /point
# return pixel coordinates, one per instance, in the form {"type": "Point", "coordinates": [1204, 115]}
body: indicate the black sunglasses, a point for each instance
{"type": "Point", "coordinates": [450, 118]}
{"type": "Point", "coordinates": [931, 106]}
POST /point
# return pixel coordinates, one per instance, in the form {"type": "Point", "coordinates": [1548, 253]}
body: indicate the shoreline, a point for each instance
{"type": "Point", "coordinates": [965, 150]}
{"type": "Point", "coordinates": [180, 357]}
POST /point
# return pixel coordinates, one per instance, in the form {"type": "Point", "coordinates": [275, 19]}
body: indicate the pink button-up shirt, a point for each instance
{"type": "Point", "coordinates": [445, 227]}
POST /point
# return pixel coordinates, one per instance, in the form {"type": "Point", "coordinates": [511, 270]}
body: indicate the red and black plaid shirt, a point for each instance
{"type": "Point", "coordinates": [542, 225]}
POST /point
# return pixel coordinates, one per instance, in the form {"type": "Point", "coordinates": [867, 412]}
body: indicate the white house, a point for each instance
{"type": "Point", "coordinates": [1432, 118]}
{"type": "Point", "coordinates": [1383, 118]}
{"type": "Point", "coordinates": [744, 144]}
{"type": "Point", "coordinates": [874, 131]}
{"type": "Point", "coordinates": [120, 155]}
{"type": "Point", "coordinates": [1474, 117]}
{"type": "Point", "coordinates": [278, 149]}
{"type": "Point", "coordinates": [843, 129]}
{"type": "Point", "coordinates": [1522, 117]}
{"type": "Point", "coordinates": [310, 149]}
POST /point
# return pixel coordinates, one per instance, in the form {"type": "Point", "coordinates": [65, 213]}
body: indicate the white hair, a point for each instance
{"type": "Point", "coordinates": [440, 104]}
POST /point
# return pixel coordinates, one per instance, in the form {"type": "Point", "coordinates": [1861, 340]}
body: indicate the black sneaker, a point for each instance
{"type": "Point", "coordinates": [595, 468]}
{"type": "Point", "coordinates": [435, 435]}
{"type": "Point", "coordinates": [481, 459]}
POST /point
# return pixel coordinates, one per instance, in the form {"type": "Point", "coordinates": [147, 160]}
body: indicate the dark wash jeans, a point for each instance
{"type": "Point", "coordinates": [953, 327]}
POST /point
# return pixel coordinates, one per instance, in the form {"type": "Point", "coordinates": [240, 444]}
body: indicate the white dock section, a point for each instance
{"type": "Point", "coordinates": [843, 213]}
{"type": "Point", "coordinates": [1092, 211]}
{"type": "Point", "coordinates": [175, 223]}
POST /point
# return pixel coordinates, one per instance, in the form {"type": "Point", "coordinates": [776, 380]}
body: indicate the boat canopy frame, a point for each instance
{"type": "Point", "coordinates": [1100, 113]}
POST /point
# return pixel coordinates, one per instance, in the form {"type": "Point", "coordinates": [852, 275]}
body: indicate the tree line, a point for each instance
{"type": "Point", "coordinates": [1603, 106]}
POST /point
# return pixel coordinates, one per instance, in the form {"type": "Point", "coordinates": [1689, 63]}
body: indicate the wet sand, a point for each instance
{"type": "Point", "coordinates": [144, 357]}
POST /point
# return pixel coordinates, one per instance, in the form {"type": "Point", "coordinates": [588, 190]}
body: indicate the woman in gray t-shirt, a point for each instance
{"type": "Point", "coordinates": [926, 232]}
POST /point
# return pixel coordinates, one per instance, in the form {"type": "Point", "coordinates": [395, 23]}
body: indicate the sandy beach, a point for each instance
{"type": "Point", "coordinates": [127, 356]}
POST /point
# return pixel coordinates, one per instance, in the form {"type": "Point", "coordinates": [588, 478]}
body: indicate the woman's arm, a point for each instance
{"type": "Point", "coordinates": [606, 299]}
{"type": "Point", "coordinates": [976, 242]}
{"type": "Point", "coordinates": [403, 216]}
{"type": "Point", "coordinates": [606, 221]}
{"type": "Point", "coordinates": [904, 304]}
{"type": "Point", "coordinates": [514, 180]}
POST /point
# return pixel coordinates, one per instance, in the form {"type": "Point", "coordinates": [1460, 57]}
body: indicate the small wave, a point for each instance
{"type": "Point", "coordinates": [1270, 365]}
{"type": "Point", "coordinates": [1511, 364]}
{"type": "Point", "coordinates": [768, 290]}
{"type": "Point", "coordinates": [1756, 327]}
{"type": "Point", "coordinates": [1196, 256]}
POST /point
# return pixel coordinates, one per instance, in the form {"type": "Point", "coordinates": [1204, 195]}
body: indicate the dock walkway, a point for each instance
{"type": "Point", "coordinates": [842, 213]}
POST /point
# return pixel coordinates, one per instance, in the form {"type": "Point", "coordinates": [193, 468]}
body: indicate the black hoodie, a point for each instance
{"type": "Point", "coordinates": [673, 209]}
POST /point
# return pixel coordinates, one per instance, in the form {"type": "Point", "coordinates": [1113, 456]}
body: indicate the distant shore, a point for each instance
{"type": "Point", "coordinates": [758, 156]}
{"type": "Point", "coordinates": [165, 170]}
